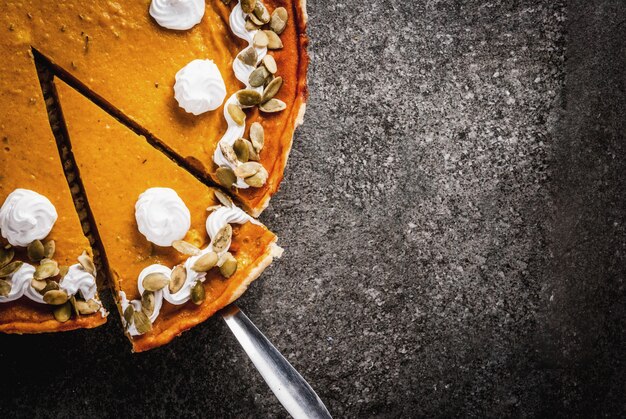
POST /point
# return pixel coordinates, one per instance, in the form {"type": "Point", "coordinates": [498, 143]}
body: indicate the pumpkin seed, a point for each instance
{"type": "Point", "coordinates": [272, 88]}
{"type": "Point", "coordinates": [247, 169]}
{"type": "Point", "coordinates": [10, 268]}
{"type": "Point", "coordinates": [252, 153]}
{"type": "Point", "coordinates": [258, 76]}
{"type": "Point", "coordinates": [90, 307]}
{"type": "Point", "coordinates": [6, 256]}
{"type": "Point", "coordinates": [229, 266]}
{"type": "Point", "coordinates": [274, 41]}
{"type": "Point", "coordinates": [205, 262]}
{"type": "Point", "coordinates": [223, 198]}
{"type": "Point", "coordinates": [55, 297]}
{"type": "Point", "coordinates": [177, 279]}
{"type": "Point", "coordinates": [273, 105]}
{"type": "Point", "coordinates": [49, 248]}
{"type": "Point", "coordinates": [241, 150]}
{"type": "Point", "coordinates": [228, 153]}
{"type": "Point", "coordinates": [73, 305]}
{"type": "Point", "coordinates": [87, 263]}
{"type": "Point", "coordinates": [270, 63]}
{"type": "Point", "coordinates": [257, 136]}
{"type": "Point", "coordinates": [38, 284]}
{"type": "Point", "coordinates": [260, 39]}
{"type": "Point", "coordinates": [46, 269]}
{"type": "Point", "coordinates": [197, 293]}
{"type": "Point", "coordinates": [221, 241]}
{"type": "Point", "coordinates": [50, 286]}
{"type": "Point", "coordinates": [63, 270]}
{"type": "Point", "coordinates": [185, 248]}
{"type": "Point", "coordinates": [247, 6]}
{"type": "Point", "coordinates": [35, 251]}
{"type": "Point", "coordinates": [249, 56]}
{"type": "Point", "coordinates": [258, 179]}
{"type": "Point", "coordinates": [261, 13]}
{"type": "Point", "coordinates": [63, 312]}
{"type": "Point", "coordinates": [279, 20]}
{"type": "Point", "coordinates": [248, 97]}
{"type": "Point", "coordinates": [155, 281]}
{"type": "Point", "coordinates": [128, 314]}
{"type": "Point", "coordinates": [5, 288]}
{"type": "Point", "coordinates": [142, 322]}
{"type": "Point", "coordinates": [251, 26]}
{"type": "Point", "coordinates": [236, 113]}
{"type": "Point", "coordinates": [255, 20]}
{"type": "Point", "coordinates": [225, 176]}
{"type": "Point", "coordinates": [148, 302]}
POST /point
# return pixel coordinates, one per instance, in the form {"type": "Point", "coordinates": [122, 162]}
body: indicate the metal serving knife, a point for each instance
{"type": "Point", "coordinates": [292, 391]}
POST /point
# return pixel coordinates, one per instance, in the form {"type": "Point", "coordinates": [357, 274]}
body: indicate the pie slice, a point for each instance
{"type": "Point", "coordinates": [117, 53]}
{"type": "Point", "coordinates": [116, 167]}
{"type": "Point", "coordinates": [33, 187]}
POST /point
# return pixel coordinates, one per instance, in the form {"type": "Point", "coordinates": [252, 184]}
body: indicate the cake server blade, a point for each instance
{"type": "Point", "coordinates": [292, 391]}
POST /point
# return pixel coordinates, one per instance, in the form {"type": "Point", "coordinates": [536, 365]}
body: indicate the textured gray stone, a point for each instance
{"type": "Point", "coordinates": [454, 225]}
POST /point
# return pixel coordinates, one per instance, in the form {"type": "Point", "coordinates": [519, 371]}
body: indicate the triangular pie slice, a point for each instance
{"type": "Point", "coordinates": [116, 166]}
{"type": "Point", "coordinates": [119, 54]}
{"type": "Point", "coordinates": [29, 161]}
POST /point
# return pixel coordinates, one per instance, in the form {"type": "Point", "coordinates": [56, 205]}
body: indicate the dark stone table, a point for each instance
{"type": "Point", "coordinates": [453, 215]}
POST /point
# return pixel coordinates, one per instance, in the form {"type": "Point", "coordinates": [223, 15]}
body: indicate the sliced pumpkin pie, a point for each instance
{"type": "Point", "coordinates": [192, 77]}
{"type": "Point", "coordinates": [47, 279]}
{"type": "Point", "coordinates": [177, 250]}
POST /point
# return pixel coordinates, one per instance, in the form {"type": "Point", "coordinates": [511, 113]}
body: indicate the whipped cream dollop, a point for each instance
{"type": "Point", "coordinates": [199, 87]}
{"type": "Point", "coordinates": [76, 280]}
{"type": "Point", "coordinates": [26, 216]}
{"type": "Point", "coordinates": [214, 223]}
{"type": "Point", "coordinates": [162, 216]}
{"type": "Point", "coordinates": [177, 14]}
{"type": "Point", "coordinates": [237, 21]}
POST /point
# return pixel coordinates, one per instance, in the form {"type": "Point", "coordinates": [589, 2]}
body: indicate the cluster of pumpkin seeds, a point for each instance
{"type": "Point", "coordinates": [244, 156]}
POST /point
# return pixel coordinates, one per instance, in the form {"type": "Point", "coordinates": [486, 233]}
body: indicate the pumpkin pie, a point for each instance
{"type": "Point", "coordinates": [120, 56]}
{"type": "Point", "coordinates": [125, 179]}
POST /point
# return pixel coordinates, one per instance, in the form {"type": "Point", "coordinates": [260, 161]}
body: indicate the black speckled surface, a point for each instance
{"type": "Point", "coordinates": [453, 215]}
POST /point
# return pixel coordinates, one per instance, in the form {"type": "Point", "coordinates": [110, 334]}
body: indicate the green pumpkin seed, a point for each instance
{"type": "Point", "coordinates": [197, 293]}
{"type": "Point", "coordinates": [274, 41]}
{"type": "Point", "coordinates": [241, 150]}
{"type": "Point", "coordinates": [279, 20]}
{"type": "Point", "coordinates": [229, 266]}
{"type": "Point", "coordinates": [128, 314]}
{"type": "Point", "coordinates": [142, 322]}
{"type": "Point", "coordinates": [6, 256]}
{"type": "Point", "coordinates": [185, 248]}
{"type": "Point", "coordinates": [257, 136]}
{"type": "Point", "coordinates": [273, 105]}
{"type": "Point", "coordinates": [147, 303]}
{"type": "Point", "coordinates": [177, 279]}
{"type": "Point", "coordinates": [228, 153]}
{"type": "Point", "coordinates": [225, 176]}
{"type": "Point", "coordinates": [272, 88]}
{"type": "Point", "coordinates": [5, 288]}
{"type": "Point", "coordinates": [87, 263]}
{"type": "Point", "coordinates": [35, 251]}
{"type": "Point", "coordinates": [73, 302]}
{"type": "Point", "coordinates": [63, 312]}
{"type": "Point", "coordinates": [221, 241]}
{"type": "Point", "coordinates": [48, 268]}
{"type": "Point", "coordinates": [55, 297]}
{"type": "Point", "coordinates": [50, 286]}
{"type": "Point", "coordinates": [205, 262]}
{"type": "Point", "coordinates": [238, 115]}
{"type": "Point", "coordinates": [270, 63]}
{"type": "Point", "coordinates": [155, 281]}
{"type": "Point", "coordinates": [247, 6]}
{"type": "Point", "coordinates": [251, 26]}
{"type": "Point", "coordinates": [260, 39]}
{"type": "Point", "coordinates": [39, 285]}
{"type": "Point", "coordinates": [261, 13]}
{"type": "Point", "coordinates": [258, 179]}
{"type": "Point", "coordinates": [223, 198]}
{"type": "Point", "coordinates": [255, 20]}
{"type": "Point", "coordinates": [49, 248]}
{"type": "Point", "coordinates": [90, 307]}
{"type": "Point", "coordinates": [10, 268]}
{"type": "Point", "coordinates": [258, 76]}
{"type": "Point", "coordinates": [248, 97]}
{"type": "Point", "coordinates": [252, 153]}
{"type": "Point", "coordinates": [249, 56]}
{"type": "Point", "coordinates": [247, 169]}
{"type": "Point", "coordinates": [63, 270]}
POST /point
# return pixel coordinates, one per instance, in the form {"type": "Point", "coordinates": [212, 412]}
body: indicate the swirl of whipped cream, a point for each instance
{"type": "Point", "coordinates": [76, 280]}
{"type": "Point", "coordinates": [20, 282]}
{"type": "Point", "coordinates": [199, 87]}
{"type": "Point", "coordinates": [26, 216]}
{"type": "Point", "coordinates": [177, 14]}
{"type": "Point", "coordinates": [162, 216]}
{"type": "Point", "coordinates": [214, 223]}
{"type": "Point", "coordinates": [242, 71]}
